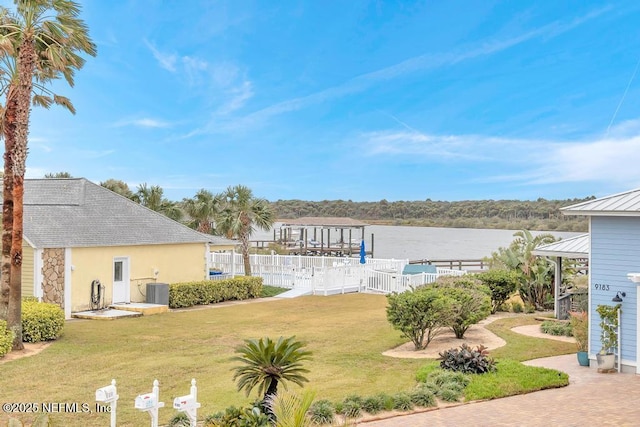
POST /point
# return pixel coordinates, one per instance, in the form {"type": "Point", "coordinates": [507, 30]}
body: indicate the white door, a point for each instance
{"type": "Point", "coordinates": [121, 280]}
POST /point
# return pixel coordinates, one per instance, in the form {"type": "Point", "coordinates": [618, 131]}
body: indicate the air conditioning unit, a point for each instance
{"type": "Point", "coordinates": [158, 293]}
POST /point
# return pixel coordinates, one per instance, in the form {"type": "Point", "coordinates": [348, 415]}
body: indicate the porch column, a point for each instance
{"type": "Point", "coordinates": [558, 282]}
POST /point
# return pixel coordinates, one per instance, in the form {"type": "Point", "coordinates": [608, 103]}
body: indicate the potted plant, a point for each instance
{"type": "Point", "coordinates": [580, 330]}
{"type": "Point", "coordinates": [608, 335]}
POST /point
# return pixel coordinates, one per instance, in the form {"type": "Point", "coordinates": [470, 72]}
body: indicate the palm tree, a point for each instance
{"type": "Point", "coordinates": [118, 186]}
{"type": "Point", "coordinates": [239, 214]}
{"type": "Point", "coordinates": [153, 198]}
{"type": "Point", "coordinates": [202, 209]}
{"type": "Point", "coordinates": [535, 273]}
{"type": "Point", "coordinates": [291, 410]}
{"type": "Point", "coordinates": [42, 41]}
{"type": "Point", "coordinates": [265, 364]}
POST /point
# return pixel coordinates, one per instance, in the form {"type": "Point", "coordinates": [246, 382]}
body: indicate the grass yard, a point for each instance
{"type": "Point", "coordinates": [346, 334]}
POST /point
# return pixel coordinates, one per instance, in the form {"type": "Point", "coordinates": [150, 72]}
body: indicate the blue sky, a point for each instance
{"type": "Point", "coordinates": [359, 100]}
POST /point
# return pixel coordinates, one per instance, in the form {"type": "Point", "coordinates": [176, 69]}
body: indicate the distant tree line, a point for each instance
{"type": "Point", "coordinates": [541, 214]}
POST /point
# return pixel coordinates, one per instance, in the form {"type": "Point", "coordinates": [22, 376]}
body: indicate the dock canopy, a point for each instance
{"type": "Point", "coordinates": [324, 222]}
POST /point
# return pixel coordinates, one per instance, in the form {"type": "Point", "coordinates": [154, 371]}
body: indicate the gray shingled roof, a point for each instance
{"type": "Point", "coordinates": [573, 247]}
{"type": "Point", "coordinates": [622, 204]}
{"type": "Point", "coordinates": [63, 213]}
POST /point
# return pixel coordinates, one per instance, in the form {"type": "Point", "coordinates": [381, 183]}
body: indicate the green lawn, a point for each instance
{"type": "Point", "coordinates": [346, 334]}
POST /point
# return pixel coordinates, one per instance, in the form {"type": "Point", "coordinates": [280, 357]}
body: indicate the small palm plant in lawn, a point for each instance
{"type": "Point", "coordinates": [265, 364]}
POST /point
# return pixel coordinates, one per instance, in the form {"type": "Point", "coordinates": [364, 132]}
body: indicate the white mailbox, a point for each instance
{"type": "Point", "coordinates": [145, 401]}
{"type": "Point", "coordinates": [106, 394]}
{"type": "Point", "coordinates": [184, 403]}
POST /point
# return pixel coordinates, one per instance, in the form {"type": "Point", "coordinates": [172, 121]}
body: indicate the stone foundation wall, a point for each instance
{"type": "Point", "coordinates": [53, 276]}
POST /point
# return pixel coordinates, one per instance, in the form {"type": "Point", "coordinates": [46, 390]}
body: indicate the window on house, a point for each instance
{"type": "Point", "coordinates": [117, 271]}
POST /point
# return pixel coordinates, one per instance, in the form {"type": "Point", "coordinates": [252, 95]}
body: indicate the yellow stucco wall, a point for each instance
{"type": "Point", "coordinates": [175, 263]}
{"type": "Point", "coordinates": [27, 270]}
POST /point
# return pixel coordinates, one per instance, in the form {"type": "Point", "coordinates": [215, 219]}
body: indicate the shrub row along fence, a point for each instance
{"type": "Point", "coordinates": [326, 275]}
{"type": "Point", "coordinates": [210, 292]}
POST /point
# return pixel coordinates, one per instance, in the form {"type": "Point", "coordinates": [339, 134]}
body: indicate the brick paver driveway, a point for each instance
{"type": "Point", "coordinates": [591, 399]}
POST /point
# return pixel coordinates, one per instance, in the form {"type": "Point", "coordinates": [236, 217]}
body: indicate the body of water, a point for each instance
{"type": "Point", "coordinates": [404, 242]}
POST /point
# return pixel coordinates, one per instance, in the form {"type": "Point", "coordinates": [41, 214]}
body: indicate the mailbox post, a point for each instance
{"type": "Point", "coordinates": [150, 403]}
{"type": "Point", "coordinates": [109, 394]}
{"type": "Point", "coordinates": [189, 404]}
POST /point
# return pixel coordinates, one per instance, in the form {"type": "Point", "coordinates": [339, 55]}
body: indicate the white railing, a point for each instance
{"type": "Point", "coordinates": [327, 275]}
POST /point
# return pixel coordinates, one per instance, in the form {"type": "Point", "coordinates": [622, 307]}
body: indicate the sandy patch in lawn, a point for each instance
{"type": "Point", "coordinates": [29, 350]}
{"type": "Point", "coordinates": [476, 335]}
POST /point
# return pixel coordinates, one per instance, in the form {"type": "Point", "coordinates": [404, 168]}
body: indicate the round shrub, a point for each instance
{"type": "Point", "coordinates": [6, 338]}
{"type": "Point", "coordinates": [41, 321]}
{"type": "Point", "coordinates": [402, 402]}
{"type": "Point", "coordinates": [322, 412]}
{"type": "Point", "coordinates": [559, 328]}
{"type": "Point", "coordinates": [467, 360]}
{"type": "Point", "coordinates": [352, 406]}
{"type": "Point", "coordinates": [423, 396]}
{"type": "Point", "coordinates": [373, 404]}
{"type": "Point", "coordinates": [449, 394]}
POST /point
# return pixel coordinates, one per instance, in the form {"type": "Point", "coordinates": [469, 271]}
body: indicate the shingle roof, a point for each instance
{"type": "Point", "coordinates": [61, 213]}
{"type": "Point", "coordinates": [573, 247]}
{"type": "Point", "coordinates": [621, 204]}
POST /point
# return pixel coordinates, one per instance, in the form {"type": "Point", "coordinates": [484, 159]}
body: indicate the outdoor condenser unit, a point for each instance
{"type": "Point", "coordinates": [158, 293]}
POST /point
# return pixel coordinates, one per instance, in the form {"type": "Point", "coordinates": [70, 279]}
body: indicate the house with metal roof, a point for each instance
{"type": "Point", "coordinates": [614, 261]}
{"type": "Point", "coordinates": [79, 235]}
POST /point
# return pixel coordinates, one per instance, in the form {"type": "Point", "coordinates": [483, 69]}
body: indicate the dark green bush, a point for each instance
{"type": "Point", "coordinates": [179, 420]}
{"type": "Point", "coordinates": [423, 396]}
{"type": "Point", "coordinates": [467, 360]}
{"type": "Point", "coordinates": [6, 338]}
{"type": "Point", "coordinates": [402, 402]}
{"type": "Point", "coordinates": [351, 406]}
{"type": "Point", "coordinates": [471, 301]}
{"type": "Point", "coordinates": [420, 314]}
{"type": "Point", "coordinates": [516, 307]}
{"type": "Point", "coordinates": [322, 412]}
{"type": "Point", "coordinates": [373, 404]}
{"type": "Point", "coordinates": [553, 327]}
{"type": "Point", "coordinates": [41, 321]}
{"type": "Point", "coordinates": [450, 394]}
{"type": "Point", "coordinates": [189, 294]}
{"type": "Point", "coordinates": [442, 377]}
{"type": "Point", "coordinates": [502, 283]}
{"type": "Point", "coordinates": [238, 417]}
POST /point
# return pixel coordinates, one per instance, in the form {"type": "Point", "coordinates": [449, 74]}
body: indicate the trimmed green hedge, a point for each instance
{"type": "Point", "coordinates": [6, 338]}
{"type": "Point", "coordinates": [213, 291]}
{"type": "Point", "coordinates": [41, 321]}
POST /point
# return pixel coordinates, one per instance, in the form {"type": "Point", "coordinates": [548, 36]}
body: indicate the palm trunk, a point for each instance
{"type": "Point", "coordinates": [15, 297]}
{"type": "Point", "coordinates": [267, 400]}
{"type": "Point", "coordinates": [7, 203]}
{"type": "Point", "coordinates": [26, 67]}
{"type": "Point", "coordinates": [244, 240]}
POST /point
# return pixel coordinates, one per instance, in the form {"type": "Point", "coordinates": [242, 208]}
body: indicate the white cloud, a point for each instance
{"type": "Point", "coordinates": [238, 95]}
{"type": "Point", "coordinates": [166, 60]}
{"type": "Point", "coordinates": [611, 160]}
{"type": "Point", "coordinates": [145, 122]}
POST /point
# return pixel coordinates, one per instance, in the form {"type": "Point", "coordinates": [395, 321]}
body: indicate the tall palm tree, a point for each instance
{"type": "Point", "coordinates": [202, 208]}
{"type": "Point", "coordinates": [265, 364]}
{"type": "Point", "coordinates": [153, 198]}
{"type": "Point", "coordinates": [240, 213]}
{"type": "Point", "coordinates": [45, 38]}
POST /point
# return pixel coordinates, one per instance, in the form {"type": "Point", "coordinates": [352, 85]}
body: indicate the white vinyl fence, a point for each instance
{"type": "Point", "coordinates": [326, 275]}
